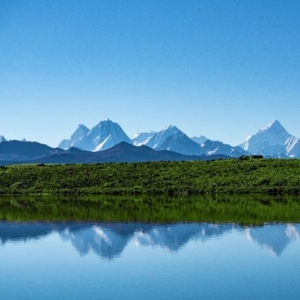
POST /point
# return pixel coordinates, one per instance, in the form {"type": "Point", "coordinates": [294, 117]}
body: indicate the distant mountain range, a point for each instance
{"type": "Point", "coordinates": [107, 134]}
{"type": "Point", "coordinates": [107, 142]}
{"type": "Point", "coordinates": [25, 151]}
{"type": "Point", "coordinates": [272, 141]}
{"type": "Point", "coordinates": [19, 152]}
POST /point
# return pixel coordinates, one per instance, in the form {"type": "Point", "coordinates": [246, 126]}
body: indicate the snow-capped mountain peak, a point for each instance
{"type": "Point", "coordinates": [274, 127]}
{"type": "Point", "coordinates": [161, 136]}
{"type": "Point", "coordinates": [175, 140]}
{"type": "Point", "coordinates": [106, 134]}
{"type": "Point", "coordinates": [181, 143]}
{"type": "Point", "coordinates": [270, 140]}
{"type": "Point", "coordinates": [81, 131]}
{"type": "Point", "coordinates": [171, 127]}
{"type": "Point", "coordinates": [78, 134]}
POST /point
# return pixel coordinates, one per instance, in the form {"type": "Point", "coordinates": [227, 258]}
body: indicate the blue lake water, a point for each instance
{"type": "Point", "coordinates": [148, 261]}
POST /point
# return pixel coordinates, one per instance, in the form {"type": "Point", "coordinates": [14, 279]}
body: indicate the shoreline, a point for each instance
{"type": "Point", "coordinates": [240, 209]}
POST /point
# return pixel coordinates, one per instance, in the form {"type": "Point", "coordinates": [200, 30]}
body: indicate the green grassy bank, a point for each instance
{"type": "Point", "coordinates": [155, 178]}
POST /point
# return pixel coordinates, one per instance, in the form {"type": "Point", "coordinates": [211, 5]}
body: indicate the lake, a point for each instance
{"type": "Point", "coordinates": [115, 260]}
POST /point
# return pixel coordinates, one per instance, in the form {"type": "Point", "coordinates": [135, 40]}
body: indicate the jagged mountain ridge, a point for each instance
{"type": "Point", "coordinates": [79, 133]}
{"type": "Point", "coordinates": [173, 139]}
{"type": "Point", "coordinates": [108, 134]}
{"type": "Point", "coordinates": [158, 138]}
{"type": "Point", "coordinates": [271, 141]}
{"type": "Point", "coordinates": [102, 136]}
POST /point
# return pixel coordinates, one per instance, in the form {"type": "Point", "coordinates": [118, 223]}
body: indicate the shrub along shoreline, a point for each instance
{"type": "Point", "coordinates": [271, 176]}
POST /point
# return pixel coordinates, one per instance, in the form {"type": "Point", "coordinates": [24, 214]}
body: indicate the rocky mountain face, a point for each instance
{"type": "Point", "coordinates": [2, 139]}
{"type": "Point", "coordinates": [274, 141]}
{"type": "Point", "coordinates": [181, 143]}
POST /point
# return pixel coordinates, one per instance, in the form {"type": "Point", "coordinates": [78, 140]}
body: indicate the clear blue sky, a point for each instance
{"type": "Point", "coordinates": [218, 68]}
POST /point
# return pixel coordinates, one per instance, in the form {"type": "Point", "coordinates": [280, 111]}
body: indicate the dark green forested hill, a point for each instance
{"type": "Point", "coordinates": [172, 178]}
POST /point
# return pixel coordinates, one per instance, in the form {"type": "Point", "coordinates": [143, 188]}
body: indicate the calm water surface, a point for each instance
{"type": "Point", "coordinates": [148, 261]}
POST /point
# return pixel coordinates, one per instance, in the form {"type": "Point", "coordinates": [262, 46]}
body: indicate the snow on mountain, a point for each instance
{"type": "Point", "coordinates": [108, 142]}
{"type": "Point", "coordinates": [210, 147]}
{"type": "Point", "coordinates": [104, 135]}
{"type": "Point", "coordinates": [199, 139]}
{"type": "Point", "coordinates": [293, 147]}
{"type": "Point", "coordinates": [270, 141]}
{"type": "Point", "coordinates": [79, 133]}
{"type": "Point", "coordinates": [142, 138]}
{"type": "Point", "coordinates": [2, 139]}
{"type": "Point", "coordinates": [173, 139]}
{"type": "Point", "coordinates": [290, 143]}
{"type": "Point", "coordinates": [161, 136]}
{"type": "Point", "coordinates": [271, 135]}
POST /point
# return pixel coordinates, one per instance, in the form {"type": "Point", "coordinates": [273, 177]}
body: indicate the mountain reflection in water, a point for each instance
{"type": "Point", "coordinates": [108, 240]}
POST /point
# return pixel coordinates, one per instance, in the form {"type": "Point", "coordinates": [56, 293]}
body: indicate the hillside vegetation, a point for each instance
{"type": "Point", "coordinates": [154, 178]}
